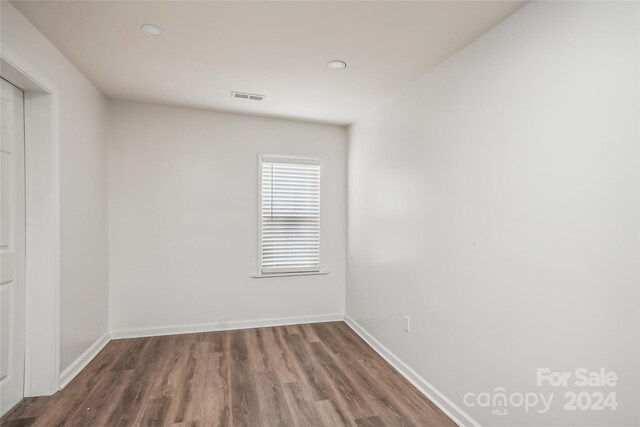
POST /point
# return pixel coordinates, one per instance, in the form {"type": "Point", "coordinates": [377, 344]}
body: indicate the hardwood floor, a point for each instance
{"type": "Point", "coordinates": [319, 374]}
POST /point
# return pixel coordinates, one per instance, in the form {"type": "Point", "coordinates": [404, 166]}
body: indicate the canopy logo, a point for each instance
{"type": "Point", "coordinates": [576, 397]}
{"type": "Point", "coordinates": [499, 401]}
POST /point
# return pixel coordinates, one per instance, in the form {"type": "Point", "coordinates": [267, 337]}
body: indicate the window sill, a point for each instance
{"type": "Point", "coordinates": [302, 273]}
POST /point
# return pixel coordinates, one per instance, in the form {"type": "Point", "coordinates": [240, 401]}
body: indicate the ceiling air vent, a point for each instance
{"type": "Point", "coordinates": [251, 96]}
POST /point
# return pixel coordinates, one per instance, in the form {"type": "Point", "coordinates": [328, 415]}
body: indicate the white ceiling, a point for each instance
{"type": "Point", "coordinates": [278, 49]}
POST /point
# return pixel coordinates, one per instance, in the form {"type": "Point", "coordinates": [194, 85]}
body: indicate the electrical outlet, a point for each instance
{"type": "Point", "coordinates": [407, 324]}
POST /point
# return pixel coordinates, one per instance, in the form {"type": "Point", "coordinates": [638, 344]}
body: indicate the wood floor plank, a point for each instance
{"type": "Point", "coordinates": [169, 367]}
{"type": "Point", "coordinates": [381, 401]}
{"type": "Point", "coordinates": [292, 329]}
{"type": "Point", "coordinates": [323, 331]}
{"type": "Point", "coordinates": [129, 410]}
{"type": "Point", "coordinates": [351, 342]}
{"type": "Point", "coordinates": [358, 407]}
{"type": "Point", "coordinates": [195, 402]}
{"type": "Point", "coordinates": [278, 358]}
{"type": "Point", "coordinates": [274, 409]}
{"type": "Point", "coordinates": [178, 384]}
{"type": "Point", "coordinates": [403, 392]}
{"type": "Point", "coordinates": [329, 415]}
{"type": "Point", "coordinates": [317, 375]}
{"type": "Point", "coordinates": [308, 372]}
{"type": "Point", "coordinates": [308, 333]}
{"type": "Point", "coordinates": [216, 397]}
{"type": "Point", "coordinates": [245, 406]}
{"type": "Point", "coordinates": [130, 359]}
{"type": "Point", "coordinates": [155, 413]}
{"type": "Point", "coordinates": [303, 411]}
{"type": "Point", "coordinates": [20, 422]}
{"type": "Point", "coordinates": [101, 399]}
{"type": "Point", "coordinates": [374, 421]}
{"type": "Point", "coordinates": [259, 358]}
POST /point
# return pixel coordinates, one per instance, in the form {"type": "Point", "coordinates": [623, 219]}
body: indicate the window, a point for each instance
{"type": "Point", "coordinates": [289, 215]}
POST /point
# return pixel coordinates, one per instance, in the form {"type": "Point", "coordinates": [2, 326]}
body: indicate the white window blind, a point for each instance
{"type": "Point", "coordinates": [290, 215]}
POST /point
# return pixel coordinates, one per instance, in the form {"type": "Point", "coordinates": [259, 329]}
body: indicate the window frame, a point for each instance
{"type": "Point", "coordinates": [292, 159]}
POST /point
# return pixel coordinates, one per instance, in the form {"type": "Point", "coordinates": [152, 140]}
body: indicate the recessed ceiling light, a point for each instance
{"type": "Point", "coordinates": [336, 65]}
{"type": "Point", "coordinates": [152, 30]}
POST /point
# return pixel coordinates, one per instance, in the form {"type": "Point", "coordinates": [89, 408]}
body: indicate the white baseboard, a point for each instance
{"type": "Point", "coordinates": [454, 412]}
{"type": "Point", "coordinates": [223, 326]}
{"type": "Point", "coordinates": [78, 365]}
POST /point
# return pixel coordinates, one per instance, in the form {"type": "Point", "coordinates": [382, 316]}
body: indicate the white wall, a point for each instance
{"type": "Point", "coordinates": [83, 186]}
{"type": "Point", "coordinates": [183, 219]}
{"type": "Point", "coordinates": [495, 201]}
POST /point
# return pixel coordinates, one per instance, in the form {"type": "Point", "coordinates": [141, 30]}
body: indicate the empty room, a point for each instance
{"type": "Point", "coordinates": [320, 213]}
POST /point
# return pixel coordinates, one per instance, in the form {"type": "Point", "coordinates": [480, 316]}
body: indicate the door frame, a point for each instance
{"type": "Point", "coordinates": [42, 260]}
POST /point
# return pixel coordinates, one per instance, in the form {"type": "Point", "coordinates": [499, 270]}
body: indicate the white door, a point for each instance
{"type": "Point", "coordinates": [12, 247]}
